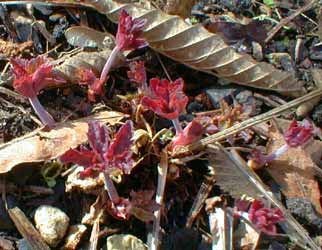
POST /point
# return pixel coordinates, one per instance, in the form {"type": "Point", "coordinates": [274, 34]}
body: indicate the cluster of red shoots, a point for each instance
{"type": "Point", "coordinates": [105, 155]}
{"type": "Point", "coordinates": [163, 97]}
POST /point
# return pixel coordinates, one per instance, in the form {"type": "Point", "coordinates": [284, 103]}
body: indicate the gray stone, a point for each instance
{"type": "Point", "coordinates": [52, 224]}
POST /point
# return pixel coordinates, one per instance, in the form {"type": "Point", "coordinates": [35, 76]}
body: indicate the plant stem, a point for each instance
{"type": "Point", "coordinates": [43, 115]}
{"type": "Point", "coordinates": [277, 153]}
{"type": "Point", "coordinates": [109, 63]}
{"type": "Point", "coordinates": [111, 190]}
{"type": "Point", "coordinates": [177, 125]}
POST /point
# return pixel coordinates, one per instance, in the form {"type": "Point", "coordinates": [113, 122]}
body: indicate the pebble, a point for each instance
{"type": "Point", "coordinates": [51, 223]}
{"type": "Point", "coordinates": [124, 242]}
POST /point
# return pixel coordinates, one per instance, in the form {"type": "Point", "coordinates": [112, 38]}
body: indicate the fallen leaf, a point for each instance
{"type": "Point", "coordinates": [196, 47]}
{"type": "Point", "coordinates": [94, 61]}
{"type": "Point", "coordinates": [233, 32]}
{"type": "Point", "coordinates": [10, 49]}
{"type": "Point", "coordinates": [294, 171]}
{"type": "Point", "coordinates": [81, 36]}
{"type": "Point", "coordinates": [42, 146]}
{"type": "Point", "coordinates": [181, 8]}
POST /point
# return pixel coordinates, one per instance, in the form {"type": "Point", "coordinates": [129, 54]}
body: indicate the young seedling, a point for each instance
{"type": "Point", "coordinates": [108, 156]}
{"type": "Point", "coordinates": [137, 74]}
{"type": "Point", "coordinates": [263, 218]}
{"type": "Point", "coordinates": [168, 100]}
{"type": "Point", "coordinates": [128, 37]}
{"type": "Point", "coordinates": [30, 77]}
{"type": "Point", "coordinates": [95, 86]}
{"type": "Point", "coordinates": [105, 156]}
{"type": "Point", "coordinates": [296, 135]}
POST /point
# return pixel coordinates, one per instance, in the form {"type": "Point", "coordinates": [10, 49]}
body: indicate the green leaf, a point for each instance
{"type": "Point", "coordinates": [269, 3]}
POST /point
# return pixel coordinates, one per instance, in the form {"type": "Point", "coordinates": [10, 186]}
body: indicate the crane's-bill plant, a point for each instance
{"type": "Point", "coordinates": [296, 135]}
{"type": "Point", "coordinates": [137, 74]}
{"type": "Point", "coordinates": [262, 217]}
{"type": "Point", "coordinates": [30, 77]}
{"type": "Point", "coordinates": [107, 156]}
{"type": "Point", "coordinates": [95, 86]}
{"type": "Point", "coordinates": [168, 100]}
{"type": "Point", "coordinates": [128, 37]}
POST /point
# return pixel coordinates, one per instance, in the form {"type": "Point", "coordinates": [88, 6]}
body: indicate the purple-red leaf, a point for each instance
{"type": "Point", "coordinates": [137, 73]}
{"type": "Point", "coordinates": [165, 98]}
{"type": "Point", "coordinates": [98, 137]}
{"type": "Point", "coordinates": [129, 32]}
{"type": "Point", "coordinates": [31, 76]}
{"type": "Point", "coordinates": [298, 134]}
{"type": "Point", "coordinates": [104, 156]}
{"type": "Point", "coordinates": [95, 85]}
{"type": "Point", "coordinates": [263, 218]}
{"type": "Point", "coordinates": [120, 154]}
{"type": "Point", "coordinates": [191, 133]}
{"type": "Point", "coordinates": [83, 157]}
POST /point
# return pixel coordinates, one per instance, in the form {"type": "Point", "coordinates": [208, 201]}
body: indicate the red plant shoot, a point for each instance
{"type": "Point", "coordinates": [166, 99]}
{"type": "Point", "coordinates": [95, 86]}
{"type": "Point", "coordinates": [296, 135]}
{"type": "Point", "coordinates": [105, 155]}
{"type": "Point", "coordinates": [141, 205]}
{"type": "Point", "coordinates": [263, 218]}
{"type": "Point", "coordinates": [128, 37]}
{"type": "Point", "coordinates": [191, 133]}
{"type": "Point", "coordinates": [137, 74]}
{"type": "Point", "coordinates": [30, 77]}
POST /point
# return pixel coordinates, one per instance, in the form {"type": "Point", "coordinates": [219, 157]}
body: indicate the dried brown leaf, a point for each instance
{"type": "Point", "coordinates": [41, 146]}
{"type": "Point", "coordinates": [82, 36]}
{"type": "Point", "coordinates": [10, 49]}
{"type": "Point", "coordinates": [89, 60]}
{"type": "Point", "coordinates": [181, 8]}
{"type": "Point", "coordinates": [200, 49]}
{"type": "Point", "coordinates": [294, 171]}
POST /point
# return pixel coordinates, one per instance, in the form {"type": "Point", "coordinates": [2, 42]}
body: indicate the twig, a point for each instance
{"type": "Point", "coordinates": [248, 123]}
{"type": "Point", "coordinates": [163, 66]}
{"type": "Point", "coordinates": [288, 19]}
{"type": "Point", "coordinates": [162, 176]}
{"type": "Point", "coordinates": [198, 203]}
{"type": "Point", "coordinates": [27, 230]}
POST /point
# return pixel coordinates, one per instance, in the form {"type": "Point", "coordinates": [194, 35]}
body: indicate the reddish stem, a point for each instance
{"type": "Point", "coordinates": [109, 63]}
{"type": "Point", "coordinates": [43, 115]}
{"type": "Point", "coordinates": [111, 190]}
{"type": "Point", "coordinates": [177, 125]}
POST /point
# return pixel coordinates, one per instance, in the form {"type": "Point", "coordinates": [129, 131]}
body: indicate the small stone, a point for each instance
{"type": "Point", "coordinates": [51, 223]}
{"type": "Point", "coordinates": [124, 242]}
